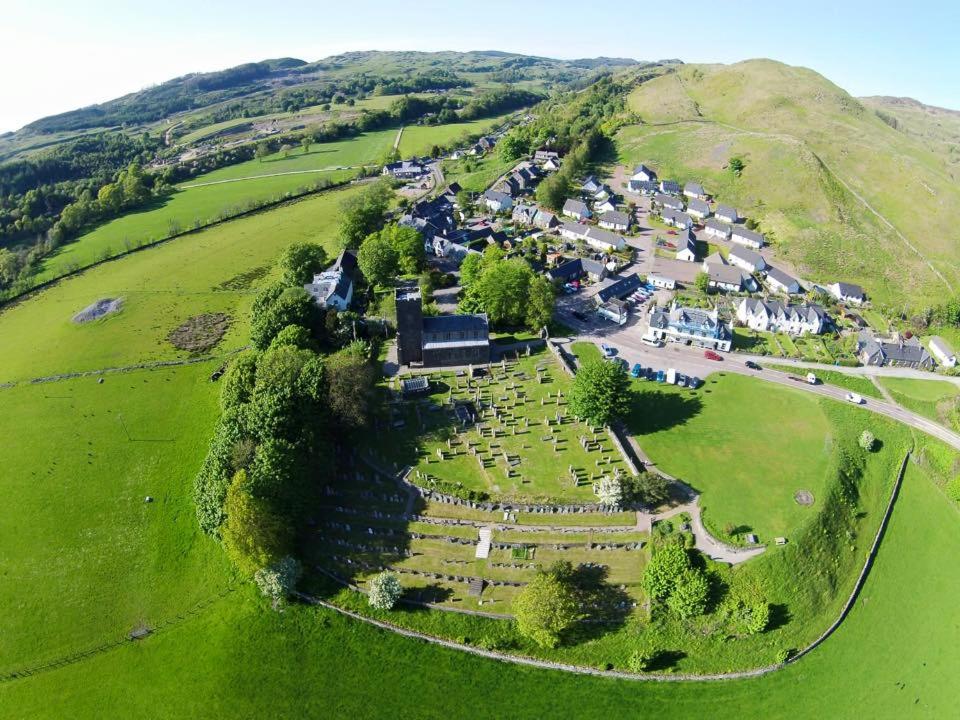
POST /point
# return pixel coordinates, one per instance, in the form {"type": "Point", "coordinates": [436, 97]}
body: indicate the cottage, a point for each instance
{"type": "Point", "coordinates": [686, 248]}
{"type": "Point", "coordinates": [524, 214]}
{"type": "Point", "coordinates": [729, 278]}
{"type": "Point", "coordinates": [942, 351]}
{"type": "Point", "coordinates": [545, 220]}
{"type": "Point", "coordinates": [333, 288]}
{"type": "Point", "coordinates": [747, 238]}
{"type": "Point", "coordinates": [668, 201]}
{"type": "Point", "coordinates": [669, 187]}
{"type": "Point", "coordinates": [552, 164]}
{"type": "Point", "coordinates": [713, 259]}
{"type": "Point", "coordinates": [779, 281]}
{"type": "Point", "coordinates": [746, 259]}
{"type": "Point", "coordinates": [605, 206]}
{"type": "Point", "coordinates": [618, 289]}
{"type": "Point", "coordinates": [574, 231]}
{"type": "Point", "coordinates": [404, 169]}
{"type": "Point", "coordinates": [727, 214]}
{"type": "Point", "coordinates": [543, 156]}
{"type": "Point", "coordinates": [444, 248]}
{"type": "Point", "coordinates": [644, 187]}
{"type": "Point", "coordinates": [716, 229]}
{"type": "Point", "coordinates": [695, 190]}
{"type": "Point", "coordinates": [677, 219]}
{"type": "Point", "coordinates": [603, 193]}
{"type": "Point", "coordinates": [605, 240]}
{"type": "Point", "coordinates": [847, 292]}
{"type": "Point", "coordinates": [441, 340]}
{"type": "Point", "coordinates": [774, 316]}
{"type": "Point", "coordinates": [899, 352]}
{"type": "Point", "coordinates": [692, 326]}
{"type": "Point", "coordinates": [576, 209]}
{"type": "Point", "coordinates": [614, 220]}
{"type": "Point", "coordinates": [615, 310]}
{"type": "Point", "coordinates": [662, 281]}
{"type": "Point", "coordinates": [642, 173]}
{"type": "Point", "coordinates": [497, 201]}
{"type": "Point", "coordinates": [591, 186]}
{"type": "Point", "coordinates": [698, 209]}
{"type": "Point", "coordinates": [575, 269]}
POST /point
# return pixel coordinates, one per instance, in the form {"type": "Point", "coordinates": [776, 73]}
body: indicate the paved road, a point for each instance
{"type": "Point", "coordinates": [691, 361]}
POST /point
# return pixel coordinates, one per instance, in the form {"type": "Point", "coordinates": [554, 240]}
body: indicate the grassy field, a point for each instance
{"type": "Point", "coordinates": [746, 469]}
{"type": "Point", "coordinates": [418, 139]}
{"type": "Point", "coordinates": [481, 174]}
{"type": "Point", "coordinates": [211, 271]}
{"type": "Point", "coordinates": [935, 399]}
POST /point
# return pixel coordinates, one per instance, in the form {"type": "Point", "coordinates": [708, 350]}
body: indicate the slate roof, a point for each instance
{"type": "Point", "coordinates": [615, 217]}
{"type": "Point", "coordinates": [749, 235]}
{"type": "Point", "coordinates": [725, 211]}
{"type": "Point", "coordinates": [908, 352]}
{"type": "Point", "coordinates": [726, 274]}
{"type": "Point", "coordinates": [641, 168]}
{"type": "Point", "coordinates": [781, 277]}
{"type": "Point", "coordinates": [576, 206]}
{"type": "Point", "coordinates": [496, 196]}
{"type": "Point", "coordinates": [849, 290]}
{"type": "Point", "coordinates": [694, 188]}
{"type": "Point", "coordinates": [698, 206]}
{"type": "Point", "coordinates": [676, 217]}
{"type": "Point", "coordinates": [669, 186]}
{"type": "Point", "coordinates": [748, 256]}
{"type": "Point", "coordinates": [774, 308]}
{"type": "Point", "coordinates": [715, 224]}
{"type": "Point", "coordinates": [572, 269]}
{"type": "Point", "coordinates": [591, 185]}
{"type": "Point", "coordinates": [619, 289]}
{"type": "Point", "coordinates": [605, 236]}
{"type": "Point", "coordinates": [668, 201]}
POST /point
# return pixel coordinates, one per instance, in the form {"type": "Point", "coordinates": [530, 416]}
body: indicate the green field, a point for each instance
{"type": "Point", "coordinates": [418, 139]}
{"type": "Point", "coordinates": [935, 399]}
{"type": "Point", "coordinates": [211, 271]}
{"type": "Point", "coordinates": [476, 175]}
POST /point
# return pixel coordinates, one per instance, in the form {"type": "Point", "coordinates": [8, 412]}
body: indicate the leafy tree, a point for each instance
{"type": "Point", "coordinates": [351, 381]}
{"type": "Point", "coordinates": [649, 489]}
{"type": "Point", "coordinates": [295, 336]}
{"type": "Point", "coordinates": [408, 245]}
{"type": "Point", "coordinates": [238, 380]}
{"type": "Point", "coordinates": [261, 151]}
{"type": "Point", "coordinates": [547, 607]}
{"type": "Point", "coordinates": [279, 580]}
{"type": "Point", "coordinates": [867, 440]}
{"type": "Point", "coordinates": [540, 301]}
{"type": "Point", "coordinates": [362, 214]}
{"type": "Point", "coordinates": [667, 566]}
{"type": "Point", "coordinates": [736, 165]}
{"type": "Point", "coordinates": [253, 536]}
{"type": "Point", "coordinates": [702, 282]}
{"type": "Point", "coordinates": [689, 596]}
{"type": "Point", "coordinates": [463, 200]}
{"type": "Point", "coordinates": [609, 491]}
{"type": "Point", "coordinates": [553, 191]}
{"type": "Point", "coordinates": [641, 659]}
{"type": "Point", "coordinates": [301, 261]}
{"type": "Point", "coordinates": [293, 306]}
{"type": "Point", "coordinates": [305, 142]}
{"type": "Point", "coordinates": [377, 259]}
{"type": "Point", "coordinates": [502, 290]}
{"type": "Point", "coordinates": [9, 267]}
{"type": "Point", "coordinates": [600, 392]}
{"type": "Point", "coordinates": [470, 269]}
{"type": "Point", "coordinates": [384, 591]}
{"type": "Point", "coordinates": [285, 150]}
{"type": "Point", "coordinates": [512, 146]}
{"type": "Point", "coordinates": [747, 617]}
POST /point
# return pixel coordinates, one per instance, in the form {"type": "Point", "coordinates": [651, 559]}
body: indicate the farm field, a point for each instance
{"type": "Point", "coordinates": [418, 139]}
{"type": "Point", "coordinates": [935, 399]}
{"type": "Point", "coordinates": [481, 173]}
{"type": "Point", "coordinates": [215, 270]}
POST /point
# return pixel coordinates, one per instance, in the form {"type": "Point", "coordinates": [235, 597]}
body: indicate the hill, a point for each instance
{"type": "Point", "coordinates": [844, 194]}
{"type": "Point", "coordinates": [938, 128]}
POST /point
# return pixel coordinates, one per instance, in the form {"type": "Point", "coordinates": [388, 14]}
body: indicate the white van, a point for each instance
{"type": "Point", "coordinates": [811, 379]}
{"type": "Point", "coordinates": [651, 341]}
{"type": "Point", "coordinates": [854, 398]}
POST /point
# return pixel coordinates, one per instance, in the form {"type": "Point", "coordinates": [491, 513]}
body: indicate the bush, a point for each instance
{"type": "Point", "coordinates": [867, 441]}
{"type": "Point", "coordinates": [547, 606]}
{"type": "Point", "coordinates": [641, 659]}
{"type": "Point", "coordinates": [278, 581]}
{"type": "Point", "coordinates": [385, 590]}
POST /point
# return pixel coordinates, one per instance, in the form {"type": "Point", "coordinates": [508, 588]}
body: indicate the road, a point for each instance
{"type": "Point", "coordinates": [690, 361]}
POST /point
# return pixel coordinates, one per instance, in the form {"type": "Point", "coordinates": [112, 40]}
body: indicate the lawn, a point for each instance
{"type": "Point", "coordinates": [215, 270]}
{"type": "Point", "coordinates": [419, 139]}
{"type": "Point", "coordinates": [855, 383]}
{"type": "Point", "coordinates": [935, 399]}
{"type": "Point", "coordinates": [746, 445]}
{"type": "Point", "coordinates": [476, 175]}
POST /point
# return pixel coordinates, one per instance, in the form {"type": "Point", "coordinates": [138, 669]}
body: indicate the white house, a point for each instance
{"type": "Point", "coordinates": [668, 201]}
{"type": "Point", "coordinates": [497, 201]}
{"type": "Point", "coordinates": [677, 219]}
{"type": "Point", "coordinates": [545, 220]}
{"type": "Point", "coordinates": [714, 259]}
{"type": "Point", "coordinates": [942, 351]}
{"type": "Point", "coordinates": [574, 231]}
{"type": "Point", "coordinates": [716, 229]}
{"type": "Point", "coordinates": [605, 206]}
{"type": "Point", "coordinates": [591, 185]}
{"type": "Point", "coordinates": [779, 281]}
{"type": "Point", "coordinates": [727, 214]}
{"type": "Point", "coordinates": [691, 326]}
{"type": "Point", "coordinates": [404, 169]}
{"type": "Point", "coordinates": [772, 315]}
{"type": "Point", "coordinates": [604, 240]}
{"type": "Point", "coordinates": [576, 209]}
{"type": "Point", "coordinates": [642, 173]}
{"type": "Point", "coordinates": [603, 192]}
{"type": "Point", "coordinates": [747, 238]}
{"type": "Point", "coordinates": [686, 248]}
{"type": "Point", "coordinates": [615, 310]}
{"type": "Point", "coordinates": [698, 209]}
{"type": "Point", "coordinates": [614, 220]}
{"type": "Point", "coordinates": [333, 288]}
{"type": "Point", "coordinates": [524, 214]}
{"type": "Point", "coordinates": [552, 164]}
{"type": "Point", "coordinates": [448, 249]}
{"type": "Point", "coordinates": [847, 292]}
{"type": "Point", "coordinates": [670, 187]}
{"type": "Point", "coordinates": [662, 281]}
{"type": "Point", "coordinates": [729, 278]}
{"type": "Point", "coordinates": [695, 190]}
{"type": "Point", "coordinates": [746, 259]}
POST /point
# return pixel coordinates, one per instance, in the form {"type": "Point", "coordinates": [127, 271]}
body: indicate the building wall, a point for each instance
{"type": "Point", "coordinates": [457, 356]}
{"type": "Point", "coordinates": [409, 331]}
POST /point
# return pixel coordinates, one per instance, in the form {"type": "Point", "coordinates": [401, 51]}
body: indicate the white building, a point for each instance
{"type": "Point", "coordinates": [576, 209]}
{"type": "Point", "coordinates": [746, 259]}
{"type": "Point", "coordinates": [747, 238]}
{"type": "Point", "coordinates": [662, 282]}
{"type": "Point", "coordinates": [716, 229]}
{"type": "Point", "coordinates": [333, 288]}
{"type": "Point", "coordinates": [700, 328]}
{"type": "Point", "coordinates": [686, 248]}
{"type": "Point", "coordinates": [727, 214]}
{"type": "Point", "coordinates": [942, 351]}
{"type": "Point", "coordinates": [677, 219]}
{"type": "Point", "coordinates": [497, 201]}
{"type": "Point", "coordinates": [614, 220]}
{"type": "Point", "coordinates": [780, 281]}
{"type": "Point", "coordinates": [641, 173]}
{"type": "Point", "coordinates": [698, 209]}
{"type": "Point", "coordinates": [774, 316]}
{"type": "Point", "coordinates": [847, 292]}
{"type": "Point", "coordinates": [605, 240]}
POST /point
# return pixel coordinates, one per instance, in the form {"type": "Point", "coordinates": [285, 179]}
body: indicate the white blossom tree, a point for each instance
{"type": "Point", "coordinates": [278, 581]}
{"type": "Point", "coordinates": [867, 440]}
{"type": "Point", "coordinates": [609, 491]}
{"type": "Point", "coordinates": [385, 590]}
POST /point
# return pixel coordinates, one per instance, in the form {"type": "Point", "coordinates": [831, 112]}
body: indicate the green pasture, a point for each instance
{"type": "Point", "coordinates": [418, 139]}
{"type": "Point", "coordinates": [934, 399]}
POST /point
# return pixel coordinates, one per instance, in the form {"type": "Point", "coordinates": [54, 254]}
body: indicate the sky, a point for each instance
{"type": "Point", "coordinates": [58, 55]}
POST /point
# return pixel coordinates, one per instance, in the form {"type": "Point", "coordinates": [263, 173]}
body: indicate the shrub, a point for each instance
{"type": "Point", "coordinates": [278, 581]}
{"type": "Point", "coordinates": [547, 606]}
{"type": "Point", "coordinates": [689, 596]}
{"type": "Point", "coordinates": [867, 441]}
{"type": "Point", "coordinates": [385, 590]}
{"type": "Point", "coordinates": [641, 659]}
{"type": "Point", "coordinates": [609, 491]}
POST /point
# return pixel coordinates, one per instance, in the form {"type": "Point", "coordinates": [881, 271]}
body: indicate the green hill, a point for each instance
{"type": "Point", "coordinates": [844, 194]}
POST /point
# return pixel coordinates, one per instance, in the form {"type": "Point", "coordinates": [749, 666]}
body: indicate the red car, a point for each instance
{"type": "Point", "coordinates": [711, 355]}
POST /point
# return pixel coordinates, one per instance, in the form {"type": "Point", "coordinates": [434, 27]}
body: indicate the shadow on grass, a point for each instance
{"type": "Point", "coordinates": [607, 606]}
{"type": "Point", "coordinates": [779, 617]}
{"type": "Point", "coordinates": [665, 659]}
{"type": "Point", "coordinates": [653, 410]}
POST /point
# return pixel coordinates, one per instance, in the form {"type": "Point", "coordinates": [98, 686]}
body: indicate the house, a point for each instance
{"type": "Point", "coordinates": [642, 173]}
{"type": "Point", "coordinates": [441, 340]}
{"type": "Point", "coordinates": [576, 209]}
{"type": "Point", "coordinates": [614, 220]}
{"type": "Point", "coordinates": [669, 187]}
{"type": "Point", "coordinates": [779, 281]}
{"type": "Point", "coordinates": [497, 201]}
{"type": "Point", "coordinates": [942, 351]}
{"type": "Point", "coordinates": [404, 169]}
{"type": "Point", "coordinates": [552, 164]}
{"type": "Point", "coordinates": [727, 214]}
{"type": "Point", "coordinates": [686, 247]}
{"type": "Point", "coordinates": [604, 240]}
{"type": "Point", "coordinates": [747, 259]}
{"type": "Point", "coordinates": [607, 205]}
{"type": "Point", "coordinates": [476, 149]}
{"type": "Point", "coordinates": [644, 187]}
{"type": "Point", "coordinates": [729, 278]}
{"type": "Point", "coordinates": [662, 281]}
{"type": "Point", "coordinates": [747, 238]}
{"type": "Point", "coordinates": [618, 289]}
{"type": "Point", "coordinates": [774, 316]}
{"type": "Point", "coordinates": [695, 190]}
{"type": "Point", "coordinates": [578, 268]}
{"type": "Point", "coordinates": [545, 220]}
{"type": "Point", "coordinates": [698, 209]}
{"type": "Point", "coordinates": [713, 259]}
{"type": "Point", "coordinates": [543, 156]}
{"type": "Point", "coordinates": [574, 231]}
{"type": "Point", "coordinates": [668, 201]}
{"type": "Point", "coordinates": [847, 292]}
{"type": "Point", "coordinates": [615, 310]}
{"type": "Point", "coordinates": [591, 186]}
{"type": "Point", "coordinates": [898, 351]}
{"type": "Point", "coordinates": [487, 142]}
{"type": "Point", "coordinates": [333, 288]}
{"type": "Point", "coordinates": [677, 219]}
{"type": "Point", "coordinates": [716, 229]}
{"type": "Point", "coordinates": [603, 193]}
{"type": "Point", "coordinates": [442, 247]}
{"type": "Point", "coordinates": [692, 326]}
{"type": "Point", "coordinates": [509, 185]}
{"type": "Point", "coordinates": [524, 214]}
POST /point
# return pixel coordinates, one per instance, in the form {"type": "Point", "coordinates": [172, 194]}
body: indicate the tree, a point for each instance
{"type": "Point", "coordinates": [261, 151]}
{"type": "Point", "coordinates": [285, 150]}
{"type": "Point", "coordinates": [293, 306]}
{"type": "Point", "coordinates": [361, 215]}
{"type": "Point", "coordinates": [301, 261]}
{"type": "Point", "coordinates": [471, 269]}
{"type": "Point", "coordinates": [237, 384]}
{"type": "Point", "coordinates": [609, 491]}
{"type": "Point", "coordinates": [600, 392]}
{"type": "Point", "coordinates": [554, 190]}
{"type": "Point", "coordinates": [279, 580]}
{"type": "Point", "coordinates": [649, 489]}
{"type": "Point", "coordinates": [8, 266]}
{"type": "Point", "coordinates": [547, 607]}
{"type": "Point", "coordinates": [295, 336]}
{"type": "Point", "coordinates": [736, 165]}
{"type": "Point", "coordinates": [540, 301]}
{"type": "Point", "coordinates": [689, 596]}
{"type": "Point", "coordinates": [512, 146]}
{"type": "Point", "coordinates": [667, 565]}
{"type": "Point", "coordinates": [463, 200]}
{"type": "Point", "coordinates": [408, 244]}
{"type": "Point", "coordinates": [702, 282]}
{"type": "Point", "coordinates": [351, 382]}
{"type": "Point", "coordinates": [641, 659]}
{"type": "Point", "coordinates": [867, 440]}
{"type": "Point", "coordinates": [305, 142]}
{"type": "Point", "coordinates": [377, 259]}
{"type": "Point", "coordinates": [502, 291]}
{"type": "Point", "coordinates": [253, 536]}
{"type": "Point", "coordinates": [384, 591]}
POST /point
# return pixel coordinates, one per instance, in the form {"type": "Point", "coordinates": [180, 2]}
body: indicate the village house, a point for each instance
{"type": "Point", "coordinates": [899, 352]}
{"type": "Point", "coordinates": [603, 193]}
{"type": "Point", "coordinates": [716, 229]}
{"type": "Point", "coordinates": [615, 310]}
{"type": "Point", "coordinates": [662, 281]}
{"type": "Point", "coordinates": [576, 209]}
{"type": "Point", "coordinates": [847, 292]}
{"type": "Point", "coordinates": [614, 220]}
{"type": "Point", "coordinates": [692, 326]}
{"type": "Point", "coordinates": [669, 187]}
{"type": "Point", "coordinates": [747, 238]}
{"type": "Point", "coordinates": [642, 173]}
{"type": "Point", "coordinates": [779, 281]}
{"type": "Point", "coordinates": [668, 201]}
{"type": "Point", "coordinates": [574, 231]}
{"type": "Point", "coordinates": [746, 259]}
{"type": "Point", "coordinates": [695, 190]}
{"type": "Point", "coordinates": [775, 316]}
{"type": "Point", "coordinates": [545, 220]}
{"type": "Point", "coordinates": [604, 240]}
{"type": "Point", "coordinates": [644, 187]}
{"type": "Point", "coordinates": [722, 276]}
{"type": "Point", "coordinates": [591, 186]}
{"type": "Point", "coordinates": [404, 169]}
{"type": "Point", "coordinates": [444, 248]}
{"type": "Point", "coordinates": [698, 209]}
{"type": "Point", "coordinates": [677, 219]}
{"type": "Point", "coordinates": [686, 247]}
{"type": "Point", "coordinates": [571, 270]}
{"type": "Point", "coordinates": [333, 288]}
{"type": "Point", "coordinates": [497, 201]}
{"type": "Point", "coordinates": [727, 214]}
{"type": "Point", "coordinates": [543, 156]}
{"type": "Point", "coordinates": [942, 351]}
{"type": "Point", "coordinates": [605, 206]}
{"type": "Point", "coordinates": [552, 164]}
{"type": "Point", "coordinates": [524, 214]}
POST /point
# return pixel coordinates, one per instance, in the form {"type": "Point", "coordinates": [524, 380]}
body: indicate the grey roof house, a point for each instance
{"type": "Point", "coordinates": [899, 351]}
{"type": "Point", "coordinates": [333, 288]}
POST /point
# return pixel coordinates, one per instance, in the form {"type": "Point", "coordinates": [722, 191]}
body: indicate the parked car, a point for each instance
{"type": "Point", "coordinates": [752, 365]}
{"type": "Point", "coordinates": [637, 370]}
{"type": "Point", "coordinates": [652, 342]}
{"type": "Point", "coordinates": [661, 376]}
{"type": "Point", "coordinates": [694, 382]}
{"type": "Point", "coordinates": [854, 398]}
{"type": "Point", "coordinates": [608, 351]}
{"type": "Point", "coordinates": [681, 380]}
{"type": "Point", "coordinates": [711, 355]}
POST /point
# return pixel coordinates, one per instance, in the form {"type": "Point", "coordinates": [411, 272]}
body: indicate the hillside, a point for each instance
{"type": "Point", "coordinates": [817, 161]}
{"type": "Point", "coordinates": [938, 128]}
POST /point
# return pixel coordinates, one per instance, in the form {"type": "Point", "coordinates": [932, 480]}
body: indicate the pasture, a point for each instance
{"type": "Point", "coordinates": [418, 139]}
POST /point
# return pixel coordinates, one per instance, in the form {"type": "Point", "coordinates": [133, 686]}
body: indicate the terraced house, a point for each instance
{"type": "Point", "coordinates": [775, 316]}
